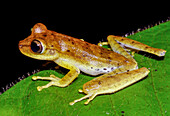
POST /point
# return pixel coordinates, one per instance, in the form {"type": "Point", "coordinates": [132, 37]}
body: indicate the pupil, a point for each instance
{"type": "Point", "coordinates": [36, 46]}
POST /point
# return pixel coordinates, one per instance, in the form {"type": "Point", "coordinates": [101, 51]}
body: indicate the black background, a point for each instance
{"type": "Point", "coordinates": [92, 26]}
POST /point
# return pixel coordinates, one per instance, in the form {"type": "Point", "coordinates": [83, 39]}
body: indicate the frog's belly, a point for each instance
{"type": "Point", "coordinates": [93, 70]}
{"type": "Point", "coordinates": [92, 67]}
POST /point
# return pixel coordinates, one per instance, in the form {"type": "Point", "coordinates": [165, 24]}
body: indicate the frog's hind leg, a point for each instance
{"type": "Point", "coordinates": [116, 47]}
{"type": "Point", "coordinates": [105, 84]}
{"type": "Point", "coordinates": [135, 45]}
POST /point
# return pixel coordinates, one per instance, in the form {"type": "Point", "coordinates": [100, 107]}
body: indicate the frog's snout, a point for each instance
{"type": "Point", "coordinates": [23, 47]}
{"type": "Point", "coordinates": [20, 44]}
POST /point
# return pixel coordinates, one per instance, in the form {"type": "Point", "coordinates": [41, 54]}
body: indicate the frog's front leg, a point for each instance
{"type": "Point", "coordinates": [65, 81]}
{"type": "Point", "coordinates": [110, 83]}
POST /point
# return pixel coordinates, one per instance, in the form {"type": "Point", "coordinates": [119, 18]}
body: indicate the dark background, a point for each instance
{"type": "Point", "coordinates": [92, 26]}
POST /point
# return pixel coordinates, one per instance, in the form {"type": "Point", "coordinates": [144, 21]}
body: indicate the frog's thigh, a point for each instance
{"type": "Point", "coordinates": [116, 47]}
{"type": "Point", "coordinates": [110, 84]}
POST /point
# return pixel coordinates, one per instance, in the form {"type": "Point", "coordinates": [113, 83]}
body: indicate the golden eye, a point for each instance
{"type": "Point", "coordinates": [36, 46]}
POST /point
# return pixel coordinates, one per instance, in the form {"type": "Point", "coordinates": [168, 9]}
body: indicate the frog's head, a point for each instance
{"type": "Point", "coordinates": [38, 45]}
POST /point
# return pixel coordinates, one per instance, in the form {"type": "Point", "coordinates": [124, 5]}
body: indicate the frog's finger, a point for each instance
{"type": "Point", "coordinates": [52, 78]}
{"type": "Point", "coordinates": [39, 88]}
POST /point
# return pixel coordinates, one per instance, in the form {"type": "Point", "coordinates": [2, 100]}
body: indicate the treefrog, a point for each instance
{"type": "Point", "coordinates": [115, 69]}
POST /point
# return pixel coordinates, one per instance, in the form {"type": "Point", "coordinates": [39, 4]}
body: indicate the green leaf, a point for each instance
{"type": "Point", "coordinates": [150, 96]}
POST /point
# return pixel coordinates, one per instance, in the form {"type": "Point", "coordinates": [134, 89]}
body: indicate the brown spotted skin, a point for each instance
{"type": "Point", "coordinates": [118, 67]}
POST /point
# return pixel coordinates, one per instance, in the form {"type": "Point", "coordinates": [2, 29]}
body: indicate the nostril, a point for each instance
{"type": "Point", "coordinates": [20, 46]}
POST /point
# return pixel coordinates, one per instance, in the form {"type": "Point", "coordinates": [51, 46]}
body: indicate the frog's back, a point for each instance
{"type": "Point", "coordinates": [83, 50]}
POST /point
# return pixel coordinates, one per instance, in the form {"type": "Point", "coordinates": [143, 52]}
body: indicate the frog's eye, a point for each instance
{"type": "Point", "coordinates": [36, 46]}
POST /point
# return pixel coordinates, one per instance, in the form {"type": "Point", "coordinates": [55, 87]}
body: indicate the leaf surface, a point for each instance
{"type": "Point", "coordinates": [150, 96]}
